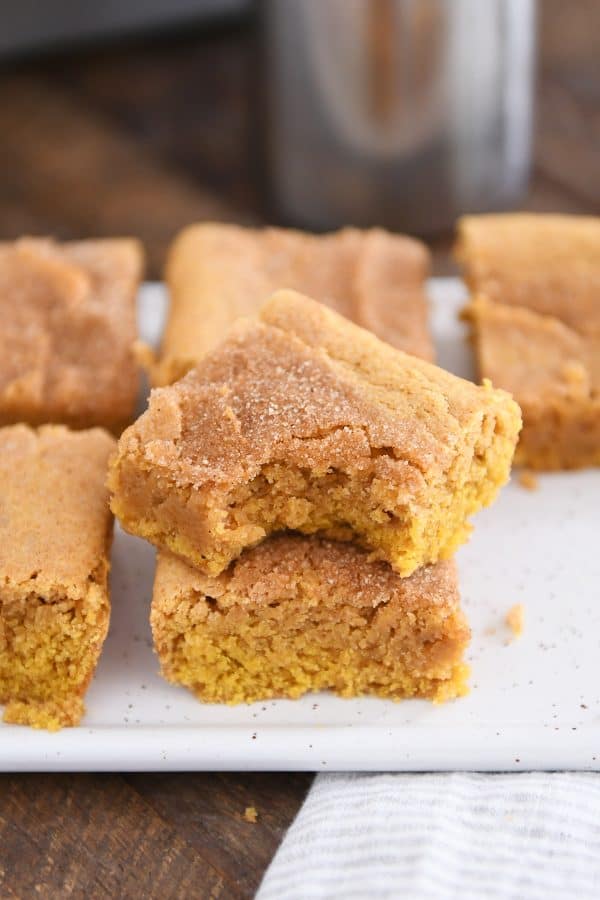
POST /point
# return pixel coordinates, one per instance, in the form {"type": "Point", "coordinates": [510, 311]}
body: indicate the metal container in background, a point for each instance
{"type": "Point", "coordinates": [403, 113]}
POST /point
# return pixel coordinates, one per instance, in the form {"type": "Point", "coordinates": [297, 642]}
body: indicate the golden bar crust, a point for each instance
{"type": "Point", "coordinates": [303, 421]}
{"type": "Point", "coordinates": [68, 332]}
{"type": "Point", "coordinates": [55, 534]}
{"type": "Point", "coordinates": [299, 614]}
{"type": "Point", "coordinates": [217, 273]}
{"type": "Point", "coordinates": [547, 263]}
{"type": "Point", "coordinates": [554, 374]}
{"type": "Point", "coordinates": [535, 316]}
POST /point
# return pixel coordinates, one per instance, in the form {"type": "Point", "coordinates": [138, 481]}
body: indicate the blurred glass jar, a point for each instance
{"type": "Point", "coordinates": [403, 113]}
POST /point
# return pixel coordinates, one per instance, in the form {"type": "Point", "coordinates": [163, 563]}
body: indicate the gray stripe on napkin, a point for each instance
{"type": "Point", "coordinates": [529, 836]}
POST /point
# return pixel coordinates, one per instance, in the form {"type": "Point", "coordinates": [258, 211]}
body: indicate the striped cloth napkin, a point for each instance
{"type": "Point", "coordinates": [458, 835]}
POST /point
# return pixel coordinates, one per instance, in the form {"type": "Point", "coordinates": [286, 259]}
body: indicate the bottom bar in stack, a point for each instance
{"type": "Point", "coordinates": [298, 614]}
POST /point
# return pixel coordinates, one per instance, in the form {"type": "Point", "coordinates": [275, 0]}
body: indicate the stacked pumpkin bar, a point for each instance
{"type": "Point", "coordinates": [535, 316]}
{"type": "Point", "coordinates": [67, 356]}
{"type": "Point", "coordinates": [306, 485]}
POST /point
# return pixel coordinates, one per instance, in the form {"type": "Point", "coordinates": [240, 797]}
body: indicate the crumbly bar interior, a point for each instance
{"type": "Point", "coordinates": [362, 506]}
{"type": "Point", "coordinates": [309, 634]}
{"type": "Point", "coordinates": [49, 647]}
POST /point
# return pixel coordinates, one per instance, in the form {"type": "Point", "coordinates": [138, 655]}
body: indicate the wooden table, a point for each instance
{"type": "Point", "coordinates": [141, 139]}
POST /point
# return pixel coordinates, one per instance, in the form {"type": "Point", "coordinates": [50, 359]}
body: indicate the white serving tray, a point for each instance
{"type": "Point", "coordinates": [534, 702]}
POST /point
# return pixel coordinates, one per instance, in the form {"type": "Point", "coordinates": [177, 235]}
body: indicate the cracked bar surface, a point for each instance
{"type": "Point", "coordinates": [303, 421]}
{"type": "Point", "coordinates": [216, 273]}
{"type": "Point", "coordinates": [299, 614]}
{"type": "Point", "coordinates": [68, 331]}
{"type": "Point", "coordinates": [55, 535]}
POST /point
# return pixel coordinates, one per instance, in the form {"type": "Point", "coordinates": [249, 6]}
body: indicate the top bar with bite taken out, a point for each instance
{"type": "Point", "coordinates": [303, 421]}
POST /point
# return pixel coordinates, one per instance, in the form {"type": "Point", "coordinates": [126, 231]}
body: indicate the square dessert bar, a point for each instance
{"type": "Point", "coordinates": [299, 614]}
{"type": "Point", "coordinates": [303, 421]}
{"type": "Point", "coordinates": [547, 263]}
{"type": "Point", "coordinates": [217, 273]}
{"type": "Point", "coordinates": [535, 316]}
{"type": "Point", "coordinates": [68, 332]}
{"type": "Point", "coordinates": [554, 374]}
{"type": "Point", "coordinates": [55, 535]}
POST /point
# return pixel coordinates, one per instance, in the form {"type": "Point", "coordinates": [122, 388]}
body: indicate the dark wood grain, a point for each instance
{"type": "Point", "coordinates": [141, 836]}
{"type": "Point", "coordinates": [142, 138]}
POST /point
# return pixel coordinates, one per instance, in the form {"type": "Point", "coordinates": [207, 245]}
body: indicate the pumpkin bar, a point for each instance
{"type": "Point", "coordinates": [216, 273]}
{"type": "Point", "coordinates": [299, 614]}
{"type": "Point", "coordinates": [55, 535]}
{"type": "Point", "coordinates": [301, 420]}
{"type": "Point", "coordinates": [68, 332]}
{"type": "Point", "coordinates": [554, 374]}
{"type": "Point", "coordinates": [535, 316]}
{"type": "Point", "coordinates": [549, 264]}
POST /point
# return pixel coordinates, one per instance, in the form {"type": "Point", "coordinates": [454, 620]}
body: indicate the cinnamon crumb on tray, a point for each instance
{"type": "Point", "coordinates": [528, 480]}
{"type": "Point", "coordinates": [515, 619]}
